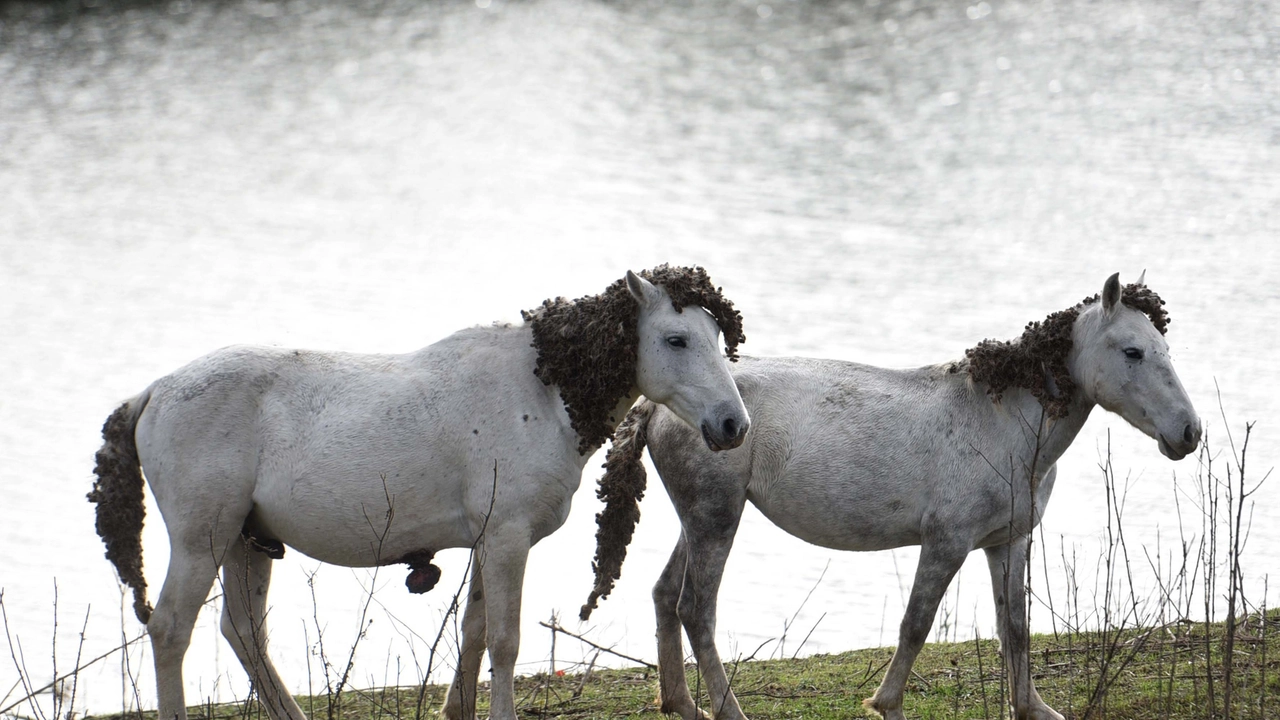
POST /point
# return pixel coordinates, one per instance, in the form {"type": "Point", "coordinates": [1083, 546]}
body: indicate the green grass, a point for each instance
{"type": "Point", "coordinates": [1151, 674]}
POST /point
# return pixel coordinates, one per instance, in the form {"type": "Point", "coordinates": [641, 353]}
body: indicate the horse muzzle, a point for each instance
{"type": "Point", "coordinates": [1183, 446]}
{"type": "Point", "coordinates": [725, 435]}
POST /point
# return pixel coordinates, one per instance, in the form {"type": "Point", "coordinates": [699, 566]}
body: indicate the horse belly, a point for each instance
{"type": "Point", "coordinates": [843, 501]}
{"type": "Point", "coordinates": [842, 523]}
{"type": "Point", "coordinates": [362, 518]}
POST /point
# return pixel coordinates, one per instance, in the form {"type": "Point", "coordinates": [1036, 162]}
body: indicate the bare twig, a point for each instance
{"type": "Point", "coordinates": [577, 693]}
{"type": "Point", "coordinates": [601, 648]}
{"type": "Point", "coordinates": [786, 625]}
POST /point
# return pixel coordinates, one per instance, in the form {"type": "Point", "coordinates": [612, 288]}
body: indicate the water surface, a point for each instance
{"type": "Point", "coordinates": [881, 181]}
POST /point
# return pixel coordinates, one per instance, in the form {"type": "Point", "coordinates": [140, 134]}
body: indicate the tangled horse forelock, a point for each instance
{"type": "Point", "coordinates": [692, 286]}
{"type": "Point", "coordinates": [1041, 353]}
{"type": "Point", "coordinates": [1142, 298]}
{"type": "Point", "coordinates": [587, 347]}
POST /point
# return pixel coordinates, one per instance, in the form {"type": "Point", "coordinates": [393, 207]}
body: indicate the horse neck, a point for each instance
{"type": "Point", "coordinates": [1045, 439]}
{"type": "Point", "coordinates": [615, 419]}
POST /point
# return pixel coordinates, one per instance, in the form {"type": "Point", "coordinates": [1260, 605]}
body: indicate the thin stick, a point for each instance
{"type": "Point", "coordinates": [69, 675]}
{"type": "Point", "coordinates": [786, 625]}
{"type": "Point", "coordinates": [806, 637]}
{"type": "Point", "coordinates": [586, 675]}
{"type": "Point", "coordinates": [982, 681]}
{"type": "Point", "coordinates": [601, 648]}
{"type": "Point", "coordinates": [23, 674]}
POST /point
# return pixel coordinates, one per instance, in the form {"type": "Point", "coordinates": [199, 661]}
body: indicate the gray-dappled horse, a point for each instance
{"type": "Point", "coordinates": [369, 460]}
{"type": "Point", "coordinates": [853, 457]}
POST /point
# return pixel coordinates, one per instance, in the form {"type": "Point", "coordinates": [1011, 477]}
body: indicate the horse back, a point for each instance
{"type": "Point", "coordinates": [239, 393]}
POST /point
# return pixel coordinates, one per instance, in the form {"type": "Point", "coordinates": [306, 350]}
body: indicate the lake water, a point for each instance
{"type": "Point", "coordinates": [888, 181]}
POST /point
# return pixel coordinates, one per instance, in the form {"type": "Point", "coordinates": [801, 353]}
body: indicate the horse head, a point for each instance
{"type": "Point", "coordinates": [679, 364]}
{"type": "Point", "coordinates": [1120, 360]}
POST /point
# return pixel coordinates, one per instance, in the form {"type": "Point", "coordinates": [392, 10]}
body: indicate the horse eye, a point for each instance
{"type": "Point", "coordinates": [1133, 353]}
{"type": "Point", "coordinates": [676, 341]}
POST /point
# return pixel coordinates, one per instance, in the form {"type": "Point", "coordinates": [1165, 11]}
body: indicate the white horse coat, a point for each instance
{"type": "Point", "coordinates": [365, 460]}
{"type": "Point", "coordinates": [854, 457]}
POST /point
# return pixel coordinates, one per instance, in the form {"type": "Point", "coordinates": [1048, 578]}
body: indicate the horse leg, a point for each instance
{"type": "Point", "coordinates": [709, 517]}
{"type": "Point", "coordinates": [461, 701]}
{"type": "Point", "coordinates": [503, 557]}
{"type": "Point", "coordinates": [192, 570]}
{"type": "Point", "coordinates": [1008, 565]}
{"type": "Point", "coordinates": [673, 688]}
{"type": "Point", "coordinates": [246, 577]}
{"type": "Point", "coordinates": [939, 562]}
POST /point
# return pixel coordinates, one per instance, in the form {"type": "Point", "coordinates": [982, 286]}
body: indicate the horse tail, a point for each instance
{"type": "Point", "coordinates": [621, 489]}
{"type": "Point", "coordinates": [118, 493]}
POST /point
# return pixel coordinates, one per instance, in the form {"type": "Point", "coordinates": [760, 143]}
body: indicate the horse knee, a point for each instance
{"type": "Point", "coordinates": [687, 606]}
{"type": "Point", "coordinates": [666, 593]}
{"type": "Point", "coordinates": [169, 640]}
{"type": "Point", "coordinates": [160, 629]}
{"type": "Point", "coordinates": [503, 654]}
{"type": "Point", "coordinates": [235, 629]}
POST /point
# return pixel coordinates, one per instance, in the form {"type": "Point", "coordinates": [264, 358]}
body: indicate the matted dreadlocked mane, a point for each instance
{"type": "Point", "coordinates": [587, 347]}
{"type": "Point", "coordinates": [1041, 353]}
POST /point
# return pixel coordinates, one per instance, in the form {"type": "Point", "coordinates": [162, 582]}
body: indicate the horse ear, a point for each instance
{"type": "Point", "coordinates": [1142, 279]}
{"type": "Point", "coordinates": [642, 290]}
{"type": "Point", "coordinates": [1111, 293]}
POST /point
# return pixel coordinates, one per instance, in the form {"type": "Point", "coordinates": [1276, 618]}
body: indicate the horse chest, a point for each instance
{"type": "Point", "coordinates": [551, 512]}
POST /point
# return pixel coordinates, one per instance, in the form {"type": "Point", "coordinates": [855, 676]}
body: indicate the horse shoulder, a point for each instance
{"type": "Point", "coordinates": [499, 411]}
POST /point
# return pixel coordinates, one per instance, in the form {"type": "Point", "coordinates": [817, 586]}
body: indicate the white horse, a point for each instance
{"type": "Point", "coordinates": [369, 460]}
{"type": "Point", "coordinates": [853, 457]}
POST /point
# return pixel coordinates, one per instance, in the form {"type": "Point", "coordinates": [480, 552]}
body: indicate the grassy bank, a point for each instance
{"type": "Point", "coordinates": [1172, 672]}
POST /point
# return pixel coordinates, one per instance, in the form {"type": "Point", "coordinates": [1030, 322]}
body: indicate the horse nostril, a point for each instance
{"type": "Point", "coordinates": [1188, 434]}
{"type": "Point", "coordinates": [730, 428]}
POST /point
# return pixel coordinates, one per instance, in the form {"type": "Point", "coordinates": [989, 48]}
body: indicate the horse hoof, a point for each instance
{"type": "Point", "coordinates": [893, 713]}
